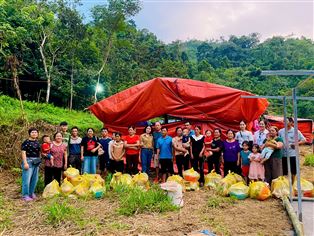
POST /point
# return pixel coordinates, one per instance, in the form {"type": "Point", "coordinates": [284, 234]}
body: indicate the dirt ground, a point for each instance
{"type": "Point", "coordinates": [246, 217]}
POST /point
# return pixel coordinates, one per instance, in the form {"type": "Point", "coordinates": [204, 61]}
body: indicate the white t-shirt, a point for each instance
{"type": "Point", "coordinates": [281, 134]}
{"type": "Point", "coordinates": [243, 136]}
{"type": "Point", "coordinates": [260, 136]}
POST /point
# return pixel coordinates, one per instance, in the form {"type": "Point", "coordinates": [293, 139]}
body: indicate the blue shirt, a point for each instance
{"type": "Point", "coordinates": [105, 145]}
{"type": "Point", "coordinates": [156, 136]}
{"type": "Point", "coordinates": [245, 157]}
{"type": "Point", "coordinates": [165, 146]}
{"type": "Point", "coordinates": [192, 132]}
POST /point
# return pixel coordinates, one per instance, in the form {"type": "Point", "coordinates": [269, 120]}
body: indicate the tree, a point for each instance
{"type": "Point", "coordinates": [111, 19]}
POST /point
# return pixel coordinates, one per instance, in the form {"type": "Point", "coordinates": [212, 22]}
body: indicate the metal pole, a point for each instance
{"type": "Point", "coordinates": [296, 143]}
{"type": "Point", "coordinates": [287, 146]}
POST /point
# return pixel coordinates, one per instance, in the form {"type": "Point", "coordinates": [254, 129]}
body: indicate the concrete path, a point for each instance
{"type": "Point", "coordinates": [307, 217]}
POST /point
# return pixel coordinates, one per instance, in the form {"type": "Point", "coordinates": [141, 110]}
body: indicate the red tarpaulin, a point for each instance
{"type": "Point", "coordinates": [304, 125]}
{"type": "Point", "coordinates": [208, 104]}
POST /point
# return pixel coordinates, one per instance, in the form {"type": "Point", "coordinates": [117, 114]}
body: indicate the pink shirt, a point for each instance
{"type": "Point", "coordinates": [58, 153]}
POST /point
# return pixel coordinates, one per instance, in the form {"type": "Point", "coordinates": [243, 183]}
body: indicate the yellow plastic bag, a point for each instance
{"type": "Point", "coordinates": [239, 191]}
{"type": "Point", "coordinates": [66, 187]}
{"type": "Point", "coordinates": [191, 175]}
{"type": "Point", "coordinates": [280, 187]}
{"type": "Point", "coordinates": [97, 190]}
{"type": "Point", "coordinates": [225, 184]}
{"type": "Point", "coordinates": [238, 178]}
{"type": "Point", "coordinates": [120, 179]}
{"type": "Point", "coordinates": [141, 180]}
{"type": "Point", "coordinates": [178, 179]}
{"type": "Point", "coordinates": [76, 180]}
{"type": "Point", "coordinates": [259, 190]}
{"type": "Point", "coordinates": [82, 189]}
{"type": "Point", "coordinates": [307, 188]}
{"type": "Point", "coordinates": [212, 179]}
{"type": "Point", "coordinates": [51, 189]}
{"type": "Point", "coordinates": [71, 172]}
{"type": "Point", "coordinates": [191, 186]}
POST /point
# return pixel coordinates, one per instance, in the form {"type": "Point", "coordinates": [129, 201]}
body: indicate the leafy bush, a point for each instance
{"type": "Point", "coordinates": [136, 200]}
{"type": "Point", "coordinates": [309, 160]}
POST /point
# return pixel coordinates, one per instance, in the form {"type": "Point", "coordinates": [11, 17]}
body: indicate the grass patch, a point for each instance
{"type": "Point", "coordinates": [10, 113]}
{"type": "Point", "coordinates": [136, 200]}
{"type": "Point", "coordinates": [309, 160]}
{"type": "Point", "coordinates": [119, 226]}
{"type": "Point", "coordinates": [59, 211]}
{"type": "Point", "coordinates": [216, 225]}
{"type": "Point", "coordinates": [5, 214]}
{"type": "Point", "coordinates": [216, 201]}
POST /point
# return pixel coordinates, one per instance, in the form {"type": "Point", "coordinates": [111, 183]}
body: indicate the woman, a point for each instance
{"type": "Point", "coordinates": [132, 145]}
{"type": "Point", "coordinates": [231, 154]}
{"type": "Point", "coordinates": [244, 135]}
{"type": "Point", "coordinates": [273, 166]}
{"type": "Point", "coordinates": [197, 149]}
{"type": "Point", "coordinates": [60, 159]}
{"type": "Point", "coordinates": [89, 151]}
{"type": "Point", "coordinates": [216, 149]}
{"type": "Point", "coordinates": [181, 154]}
{"type": "Point", "coordinates": [147, 146]}
{"type": "Point", "coordinates": [30, 164]}
{"type": "Point", "coordinates": [261, 134]}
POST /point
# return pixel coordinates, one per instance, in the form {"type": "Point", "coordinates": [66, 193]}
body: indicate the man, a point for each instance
{"type": "Point", "coordinates": [189, 127]}
{"type": "Point", "coordinates": [291, 148]}
{"type": "Point", "coordinates": [164, 154]}
{"type": "Point", "coordinates": [74, 159]}
{"type": "Point", "coordinates": [156, 136]}
{"type": "Point", "coordinates": [104, 161]}
{"type": "Point", "coordinates": [65, 134]}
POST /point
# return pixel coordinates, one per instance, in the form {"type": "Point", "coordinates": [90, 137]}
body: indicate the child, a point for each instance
{"type": "Point", "coordinates": [208, 142]}
{"type": "Point", "coordinates": [117, 153]}
{"type": "Point", "coordinates": [257, 171]}
{"type": "Point", "coordinates": [267, 151]}
{"type": "Point", "coordinates": [45, 149]}
{"type": "Point", "coordinates": [245, 162]}
{"type": "Point", "coordinates": [186, 141]}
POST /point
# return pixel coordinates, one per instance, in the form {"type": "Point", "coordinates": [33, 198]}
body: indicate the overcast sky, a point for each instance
{"type": "Point", "coordinates": [208, 19]}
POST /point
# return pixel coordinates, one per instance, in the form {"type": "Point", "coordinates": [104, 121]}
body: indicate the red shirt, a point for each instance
{"type": "Point", "coordinates": [132, 140]}
{"type": "Point", "coordinates": [207, 140]}
{"type": "Point", "coordinates": [45, 148]}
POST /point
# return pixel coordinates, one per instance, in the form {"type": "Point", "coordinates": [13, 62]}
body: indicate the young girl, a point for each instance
{"type": "Point", "coordinates": [257, 171]}
{"type": "Point", "coordinates": [245, 161]}
{"type": "Point", "coordinates": [208, 142]}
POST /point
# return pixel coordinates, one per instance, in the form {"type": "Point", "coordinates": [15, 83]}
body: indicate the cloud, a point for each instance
{"type": "Point", "coordinates": [172, 20]}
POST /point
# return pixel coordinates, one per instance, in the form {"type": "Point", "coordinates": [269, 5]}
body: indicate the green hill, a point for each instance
{"type": "Point", "coordinates": [10, 113]}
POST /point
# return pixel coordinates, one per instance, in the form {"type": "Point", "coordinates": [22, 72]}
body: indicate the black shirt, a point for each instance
{"type": "Point", "coordinates": [197, 144]}
{"type": "Point", "coordinates": [217, 144]}
{"type": "Point", "coordinates": [89, 144]}
{"type": "Point", "coordinates": [31, 147]}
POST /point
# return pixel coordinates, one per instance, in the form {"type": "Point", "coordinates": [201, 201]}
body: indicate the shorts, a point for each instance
{"type": "Point", "coordinates": [156, 161]}
{"type": "Point", "coordinates": [166, 166]}
{"type": "Point", "coordinates": [245, 170]}
{"type": "Point", "coordinates": [293, 165]}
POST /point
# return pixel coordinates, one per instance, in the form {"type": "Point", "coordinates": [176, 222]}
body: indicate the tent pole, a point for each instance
{"type": "Point", "coordinates": [287, 146]}
{"type": "Point", "coordinates": [296, 142]}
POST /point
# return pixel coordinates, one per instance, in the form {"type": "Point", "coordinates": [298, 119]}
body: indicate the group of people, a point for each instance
{"type": "Point", "coordinates": [257, 156]}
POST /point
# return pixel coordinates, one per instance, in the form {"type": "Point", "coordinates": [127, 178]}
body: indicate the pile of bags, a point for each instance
{"type": "Point", "coordinates": [191, 178]}
{"type": "Point", "coordinates": [140, 179]}
{"type": "Point", "coordinates": [76, 185]}
{"type": "Point", "coordinates": [225, 183]}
